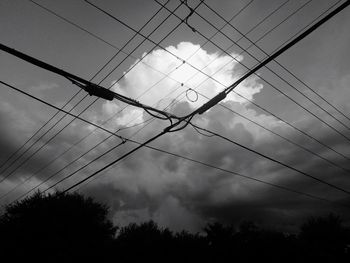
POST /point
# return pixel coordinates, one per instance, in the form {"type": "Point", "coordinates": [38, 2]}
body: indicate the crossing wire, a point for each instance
{"type": "Point", "coordinates": [119, 50]}
{"type": "Point", "coordinates": [166, 75]}
{"type": "Point", "coordinates": [163, 151]}
{"type": "Point", "coordinates": [57, 133]}
{"type": "Point", "coordinates": [214, 101]}
{"type": "Point", "coordinates": [269, 112]}
{"type": "Point", "coordinates": [215, 80]}
{"type": "Point", "coordinates": [282, 66]}
{"type": "Point", "coordinates": [259, 76]}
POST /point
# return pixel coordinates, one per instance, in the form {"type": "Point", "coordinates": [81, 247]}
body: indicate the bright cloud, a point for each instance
{"type": "Point", "coordinates": [146, 82]}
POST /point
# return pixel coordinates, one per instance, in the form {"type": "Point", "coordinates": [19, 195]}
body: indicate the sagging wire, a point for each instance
{"type": "Point", "coordinates": [187, 122]}
{"type": "Point", "coordinates": [95, 90]}
{"type": "Point", "coordinates": [200, 132]}
{"type": "Point", "coordinates": [91, 88]}
{"type": "Point", "coordinates": [185, 20]}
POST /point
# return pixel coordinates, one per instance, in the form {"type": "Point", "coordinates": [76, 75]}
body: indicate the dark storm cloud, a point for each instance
{"type": "Point", "coordinates": [213, 195]}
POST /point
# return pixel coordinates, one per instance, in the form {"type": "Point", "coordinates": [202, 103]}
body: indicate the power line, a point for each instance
{"type": "Point", "coordinates": [168, 129]}
{"type": "Point", "coordinates": [136, 33]}
{"type": "Point", "coordinates": [240, 175]}
{"type": "Point", "coordinates": [271, 159]}
{"type": "Point", "coordinates": [218, 97]}
{"type": "Point", "coordinates": [50, 177]}
{"type": "Point", "coordinates": [267, 111]}
{"type": "Point", "coordinates": [281, 136]}
{"type": "Point", "coordinates": [288, 83]}
{"type": "Point", "coordinates": [275, 116]}
{"type": "Point", "coordinates": [101, 81]}
{"type": "Point", "coordinates": [304, 83]}
{"type": "Point", "coordinates": [79, 114]}
{"type": "Point", "coordinates": [95, 36]}
{"type": "Point", "coordinates": [152, 41]}
{"type": "Point", "coordinates": [333, 163]}
{"type": "Point", "coordinates": [70, 163]}
{"type": "Point", "coordinates": [290, 44]}
{"type": "Point", "coordinates": [222, 95]}
{"type": "Point", "coordinates": [34, 134]}
{"type": "Point", "coordinates": [165, 75]}
{"type": "Point", "coordinates": [91, 88]}
{"type": "Point", "coordinates": [148, 110]}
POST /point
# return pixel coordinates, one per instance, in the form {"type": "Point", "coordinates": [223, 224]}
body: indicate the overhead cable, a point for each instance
{"type": "Point", "coordinates": [220, 97]}
{"type": "Point", "coordinates": [145, 144]}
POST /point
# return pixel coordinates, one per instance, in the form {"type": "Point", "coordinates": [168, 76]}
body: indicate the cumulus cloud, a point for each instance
{"type": "Point", "coordinates": [152, 87]}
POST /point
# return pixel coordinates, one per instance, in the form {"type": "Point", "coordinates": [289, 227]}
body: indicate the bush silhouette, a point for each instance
{"type": "Point", "coordinates": [57, 228]}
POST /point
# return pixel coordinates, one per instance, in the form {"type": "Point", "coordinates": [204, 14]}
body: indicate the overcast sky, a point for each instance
{"type": "Point", "coordinates": [151, 185]}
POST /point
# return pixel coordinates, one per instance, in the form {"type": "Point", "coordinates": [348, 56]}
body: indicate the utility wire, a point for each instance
{"type": "Point", "coordinates": [265, 110]}
{"type": "Point", "coordinates": [153, 148]}
{"type": "Point", "coordinates": [222, 95]}
{"type": "Point", "coordinates": [152, 41]}
{"type": "Point", "coordinates": [91, 88]}
{"type": "Point", "coordinates": [312, 90]}
{"type": "Point", "coordinates": [102, 80]}
{"type": "Point", "coordinates": [271, 159]}
{"type": "Point", "coordinates": [147, 110]}
{"type": "Point", "coordinates": [55, 70]}
{"type": "Point", "coordinates": [95, 36]}
{"type": "Point", "coordinates": [269, 112]}
{"type": "Point", "coordinates": [245, 176]}
{"type": "Point", "coordinates": [219, 96]}
{"type": "Point", "coordinates": [291, 73]}
{"type": "Point", "coordinates": [70, 163]}
{"type": "Point", "coordinates": [280, 136]}
{"type": "Point", "coordinates": [32, 136]}
{"type": "Point", "coordinates": [104, 140]}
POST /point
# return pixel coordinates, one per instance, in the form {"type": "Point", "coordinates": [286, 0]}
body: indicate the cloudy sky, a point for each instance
{"type": "Point", "coordinates": [295, 111]}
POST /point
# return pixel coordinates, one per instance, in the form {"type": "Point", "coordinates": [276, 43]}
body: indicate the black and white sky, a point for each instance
{"type": "Point", "coordinates": [175, 192]}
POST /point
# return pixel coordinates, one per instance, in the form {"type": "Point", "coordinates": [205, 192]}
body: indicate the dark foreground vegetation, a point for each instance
{"type": "Point", "coordinates": [71, 228]}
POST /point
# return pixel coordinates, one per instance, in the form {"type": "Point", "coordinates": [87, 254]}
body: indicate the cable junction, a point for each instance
{"type": "Point", "coordinates": [91, 88]}
{"type": "Point", "coordinates": [145, 144]}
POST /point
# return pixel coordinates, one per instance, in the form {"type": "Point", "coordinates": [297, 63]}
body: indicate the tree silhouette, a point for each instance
{"type": "Point", "coordinates": [71, 228]}
{"type": "Point", "coordinates": [137, 242]}
{"type": "Point", "coordinates": [325, 238]}
{"type": "Point", "coordinates": [57, 228]}
{"type": "Point", "coordinates": [220, 240]}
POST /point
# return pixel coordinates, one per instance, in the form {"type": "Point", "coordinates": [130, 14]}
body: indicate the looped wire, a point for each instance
{"type": "Point", "coordinates": [188, 97]}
